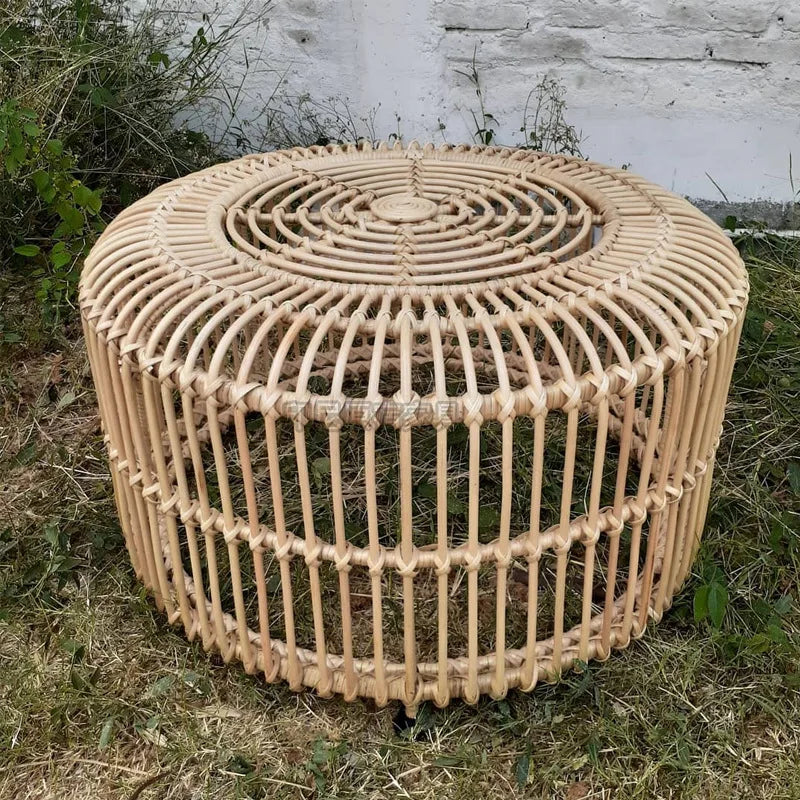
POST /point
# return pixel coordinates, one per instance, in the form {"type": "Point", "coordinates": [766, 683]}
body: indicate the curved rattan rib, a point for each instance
{"type": "Point", "coordinates": [462, 307]}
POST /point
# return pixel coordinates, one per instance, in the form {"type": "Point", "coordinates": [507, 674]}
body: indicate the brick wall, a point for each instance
{"type": "Point", "coordinates": [675, 89]}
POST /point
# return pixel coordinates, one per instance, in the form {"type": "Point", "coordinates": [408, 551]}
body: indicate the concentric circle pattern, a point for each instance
{"type": "Point", "coordinates": [420, 219]}
{"type": "Point", "coordinates": [412, 423]}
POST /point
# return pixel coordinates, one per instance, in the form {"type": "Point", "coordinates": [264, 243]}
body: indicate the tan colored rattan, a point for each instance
{"type": "Point", "coordinates": [458, 293]}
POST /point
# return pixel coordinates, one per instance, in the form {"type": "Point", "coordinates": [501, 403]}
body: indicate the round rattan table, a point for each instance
{"type": "Point", "coordinates": [414, 423]}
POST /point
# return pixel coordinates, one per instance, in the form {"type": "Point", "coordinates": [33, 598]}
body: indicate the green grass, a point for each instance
{"type": "Point", "coordinates": [99, 697]}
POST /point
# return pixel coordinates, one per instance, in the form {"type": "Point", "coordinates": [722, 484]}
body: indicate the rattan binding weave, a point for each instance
{"type": "Point", "coordinates": [412, 423]}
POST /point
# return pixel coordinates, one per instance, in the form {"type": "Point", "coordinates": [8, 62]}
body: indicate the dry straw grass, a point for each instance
{"type": "Point", "coordinates": [98, 696]}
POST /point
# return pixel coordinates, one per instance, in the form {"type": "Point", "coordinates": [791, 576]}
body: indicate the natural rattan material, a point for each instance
{"type": "Point", "coordinates": [412, 423]}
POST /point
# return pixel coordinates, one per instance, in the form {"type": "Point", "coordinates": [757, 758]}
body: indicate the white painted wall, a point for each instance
{"type": "Point", "coordinates": [675, 88]}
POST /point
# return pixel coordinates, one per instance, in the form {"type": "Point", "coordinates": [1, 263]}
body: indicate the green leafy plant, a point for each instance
{"type": "Point", "coordinates": [100, 108]}
{"type": "Point", "coordinates": [711, 598]}
{"type": "Point", "coordinates": [544, 125]}
{"type": "Point", "coordinates": [323, 756]}
{"type": "Point", "coordinates": [771, 634]}
{"type": "Point", "coordinates": [58, 570]}
{"type": "Point", "coordinates": [131, 102]}
{"type": "Point", "coordinates": [54, 216]}
{"type": "Point", "coordinates": [303, 120]}
{"type": "Point", "coordinates": [485, 123]}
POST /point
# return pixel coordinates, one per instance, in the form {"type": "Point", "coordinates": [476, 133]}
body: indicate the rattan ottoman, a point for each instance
{"type": "Point", "coordinates": [417, 423]}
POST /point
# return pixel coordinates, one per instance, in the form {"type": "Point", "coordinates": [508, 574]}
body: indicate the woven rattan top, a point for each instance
{"type": "Point", "coordinates": [402, 245]}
